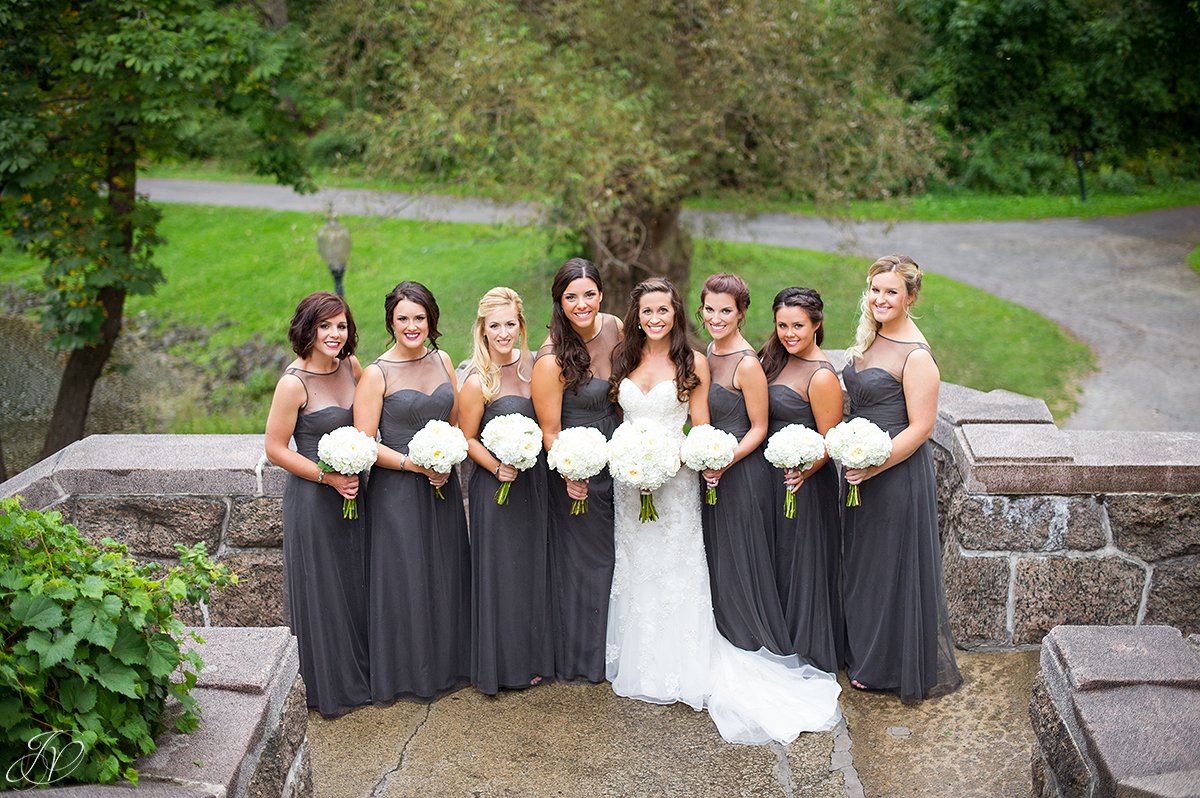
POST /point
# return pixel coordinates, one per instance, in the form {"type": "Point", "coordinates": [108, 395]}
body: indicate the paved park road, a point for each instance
{"type": "Point", "coordinates": [1120, 284]}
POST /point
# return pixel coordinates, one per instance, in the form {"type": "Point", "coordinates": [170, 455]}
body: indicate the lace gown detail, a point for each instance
{"type": "Point", "coordinates": [663, 644]}
{"type": "Point", "coordinates": [581, 546]}
{"type": "Point", "coordinates": [324, 558]}
{"type": "Point", "coordinates": [420, 567]}
{"type": "Point", "coordinates": [511, 640]}
{"type": "Point", "coordinates": [738, 532]}
{"type": "Point", "coordinates": [808, 548]}
{"type": "Point", "coordinates": [897, 627]}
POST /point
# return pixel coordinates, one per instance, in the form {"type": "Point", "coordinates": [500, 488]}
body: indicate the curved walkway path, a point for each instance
{"type": "Point", "coordinates": [1120, 284]}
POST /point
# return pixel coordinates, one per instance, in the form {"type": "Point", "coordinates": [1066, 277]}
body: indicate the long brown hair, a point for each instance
{"type": "Point", "coordinates": [569, 349]}
{"type": "Point", "coordinates": [774, 355]}
{"type": "Point", "coordinates": [628, 353]}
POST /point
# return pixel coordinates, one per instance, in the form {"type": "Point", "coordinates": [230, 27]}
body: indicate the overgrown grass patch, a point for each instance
{"type": "Point", "coordinates": [236, 275]}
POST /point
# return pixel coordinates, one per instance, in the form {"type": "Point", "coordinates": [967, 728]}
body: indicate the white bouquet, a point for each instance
{"type": "Point", "coordinates": [346, 451]}
{"type": "Point", "coordinates": [708, 447]}
{"type": "Point", "coordinates": [515, 440]}
{"type": "Point", "coordinates": [858, 443]}
{"type": "Point", "coordinates": [795, 446]}
{"type": "Point", "coordinates": [643, 454]}
{"type": "Point", "coordinates": [438, 446]}
{"type": "Point", "coordinates": [579, 453]}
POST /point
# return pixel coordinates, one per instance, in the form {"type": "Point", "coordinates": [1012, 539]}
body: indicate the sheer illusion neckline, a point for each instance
{"type": "Point", "coordinates": [428, 352]}
{"type": "Point", "coordinates": [711, 353]}
{"type": "Point", "coordinates": [336, 369]}
{"type": "Point", "coordinates": [598, 331]}
{"type": "Point", "coordinates": [897, 341]}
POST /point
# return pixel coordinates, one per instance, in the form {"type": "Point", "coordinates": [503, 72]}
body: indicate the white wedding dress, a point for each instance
{"type": "Point", "coordinates": [663, 645]}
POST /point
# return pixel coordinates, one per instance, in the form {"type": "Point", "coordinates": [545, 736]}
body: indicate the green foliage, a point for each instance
{"type": "Point", "coordinates": [1193, 259]}
{"type": "Point", "coordinates": [1023, 84]}
{"type": "Point", "coordinates": [90, 645]}
{"type": "Point", "coordinates": [89, 90]}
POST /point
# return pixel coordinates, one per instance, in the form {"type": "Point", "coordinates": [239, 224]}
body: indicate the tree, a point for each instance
{"type": "Point", "coordinates": [89, 91]}
{"type": "Point", "coordinates": [1025, 83]}
{"type": "Point", "coordinates": [618, 111]}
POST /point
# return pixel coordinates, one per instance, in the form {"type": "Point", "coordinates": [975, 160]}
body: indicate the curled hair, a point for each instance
{"type": "Point", "coordinates": [725, 283]}
{"type": "Point", "coordinates": [909, 271]}
{"type": "Point", "coordinates": [569, 349]}
{"type": "Point", "coordinates": [774, 354]}
{"type": "Point", "coordinates": [628, 353]}
{"type": "Point", "coordinates": [413, 292]}
{"type": "Point", "coordinates": [499, 298]}
{"type": "Point", "coordinates": [311, 311]}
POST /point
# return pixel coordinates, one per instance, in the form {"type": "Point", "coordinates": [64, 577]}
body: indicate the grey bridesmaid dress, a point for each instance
{"type": "Point", "coordinates": [737, 530]}
{"type": "Point", "coordinates": [511, 639]}
{"type": "Point", "coordinates": [419, 564]}
{"type": "Point", "coordinates": [897, 627]}
{"type": "Point", "coordinates": [582, 547]}
{"type": "Point", "coordinates": [324, 558]}
{"type": "Point", "coordinates": [808, 548]}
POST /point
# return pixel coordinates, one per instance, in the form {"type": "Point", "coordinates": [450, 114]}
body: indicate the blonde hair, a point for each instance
{"type": "Point", "coordinates": [909, 271]}
{"type": "Point", "coordinates": [498, 298]}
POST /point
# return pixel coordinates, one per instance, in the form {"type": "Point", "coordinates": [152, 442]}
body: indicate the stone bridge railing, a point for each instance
{"type": "Point", "coordinates": [1040, 526]}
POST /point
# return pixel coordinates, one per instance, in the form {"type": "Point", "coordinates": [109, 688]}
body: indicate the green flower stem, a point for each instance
{"type": "Point", "coordinates": [579, 507]}
{"type": "Point", "coordinates": [710, 496]}
{"type": "Point", "coordinates": [789, 504]}
{"type": "Point", "coordinates": [502, 493]}
{"type": "Point", "coordinates": [852, 497]}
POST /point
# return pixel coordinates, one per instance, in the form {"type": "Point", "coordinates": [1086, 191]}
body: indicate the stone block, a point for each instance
{"type": "Point", "coordinates": [1140, 731]}
{"type": "Point", "coordinates": [255, 522]}
{"type": "Point", "coordinates": [960, 405]}
{"type": "Point", "coordinates": [1028, 523]}
{"type": "Point", "coordinates": [221, 465]}
{"type": "Point", "coordinates": [243, 658]}
{"type": "Point", "coordinates": [1136, 462]}
{"type": "Point", "coordinates": [273, 480]}
{"type": "Point", "coordinates": [257, 599]}
{"type": "Point", "coordinates": [1175, 595]}
{"type": "Point", "coordinates": [1181, 784]}
{"type": "Point", "coordinates": [1065, 766]}
{"type": "Point", "coordinates": [282, 746]}
{"type": "Point", "coordinates": [1099, 657]}
{"type": "Point", "coordinates": [976, 597]}
{"type": "Point", "coordinates": [35, 485]}
{"type": "Point", "coordinates": [1073, 590]}
{"type": "Point", "coordinates": [147, 788]}
{"type": "Point", "coordinates": [1155, 527]}
{"type": "Point", "coordinates": [1008, 443]}
{"type": "Point", "coordinates": [151, 525]}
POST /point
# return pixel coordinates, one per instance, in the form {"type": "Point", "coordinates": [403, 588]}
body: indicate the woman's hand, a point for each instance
{"type": "Point", "coordinates": [577, 489]}
{"type": "Point", "coordinates": [857, 476]}
{"type": "Point", "coordinates": [793, 478]}
{"type": "Point", "coordinates": [436, 478]}
{"type": "Point", "coordinates": [712, 476]}
{"type": "Point", "coordinates": [346, 486]}
{"type": "Point", "coordinates": [506, 473]}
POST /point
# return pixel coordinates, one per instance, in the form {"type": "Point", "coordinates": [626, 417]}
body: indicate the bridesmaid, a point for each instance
{"type": "Point", "coordinates": [419, 566]}
{"type": "Point", "coordinates": [324, 558]}
{"type": "Point", "coordinates": [737, 531]}
{"type": "Point", "coordinates": [570, 389]}
{"type": "Point", "coordinates": [511, 644]}
{"type": "Point", "coordinates": [897, 628]}
{"type": "Point", "coordinates": [804, 389]}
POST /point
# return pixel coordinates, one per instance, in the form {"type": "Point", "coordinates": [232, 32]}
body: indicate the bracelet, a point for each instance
{"type": "Point", "coordinates": [498, 470]}
{"type": "Point", "coordinates": [403, 460]}
{"type": "Point", "coordinates": [320, 477]}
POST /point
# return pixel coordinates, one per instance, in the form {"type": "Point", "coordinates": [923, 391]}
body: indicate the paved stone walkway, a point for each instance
{"type": "Point", "coordinates": [1120, 284]}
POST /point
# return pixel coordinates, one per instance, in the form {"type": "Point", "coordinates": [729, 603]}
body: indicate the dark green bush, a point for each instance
{"type": "Point", "coordinates": [92, 649]}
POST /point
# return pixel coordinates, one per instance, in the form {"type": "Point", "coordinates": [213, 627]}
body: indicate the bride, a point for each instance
{"type": "Point", "coordinates": [662, 640]}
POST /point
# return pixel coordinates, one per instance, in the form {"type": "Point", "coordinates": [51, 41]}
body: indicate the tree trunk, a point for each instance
{"type": "Point", "coordinates": [649, 244]}
{"type": "Point", "coordinates": [86, 364]}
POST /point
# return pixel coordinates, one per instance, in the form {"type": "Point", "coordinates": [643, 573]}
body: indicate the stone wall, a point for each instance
{"type": "Point", "coordinates": [1116, 714]}
{"type": "Point", "coordinates": [1040, 526]}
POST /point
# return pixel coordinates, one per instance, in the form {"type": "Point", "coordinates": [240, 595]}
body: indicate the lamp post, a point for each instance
{"type": "Point", "coordinates": [333, 242]}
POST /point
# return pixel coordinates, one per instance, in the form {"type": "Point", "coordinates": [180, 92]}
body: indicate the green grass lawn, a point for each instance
{"type": "Point", "coordinates": [1193, 259]}
{"type": "Point", "coordinates": [940, 207]}
{"type": "Point", "coordinates": [238, 273]}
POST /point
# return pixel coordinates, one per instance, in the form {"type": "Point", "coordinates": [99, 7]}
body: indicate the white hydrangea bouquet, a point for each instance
{"type": "Point", "coordinates": [795, 446]}
{"type": "Point", "coordinates": [346, 451]}
{"type": "Point", "coordinates": [858, 443]}
{"type": "Point", "coordinates": [515, 440]}
{"type": "Point", "coordinates": [708, 447]}
{"type": "Point", "coordinates": [438, 446]}
{"type": "Point", "coordinates": [643, 454]}
{"type": "Point", "coordinates": [579, 453]}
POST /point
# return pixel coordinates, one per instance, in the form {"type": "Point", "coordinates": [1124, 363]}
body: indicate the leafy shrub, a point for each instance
{"type": "Point", "coordinates": [91, 642]}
